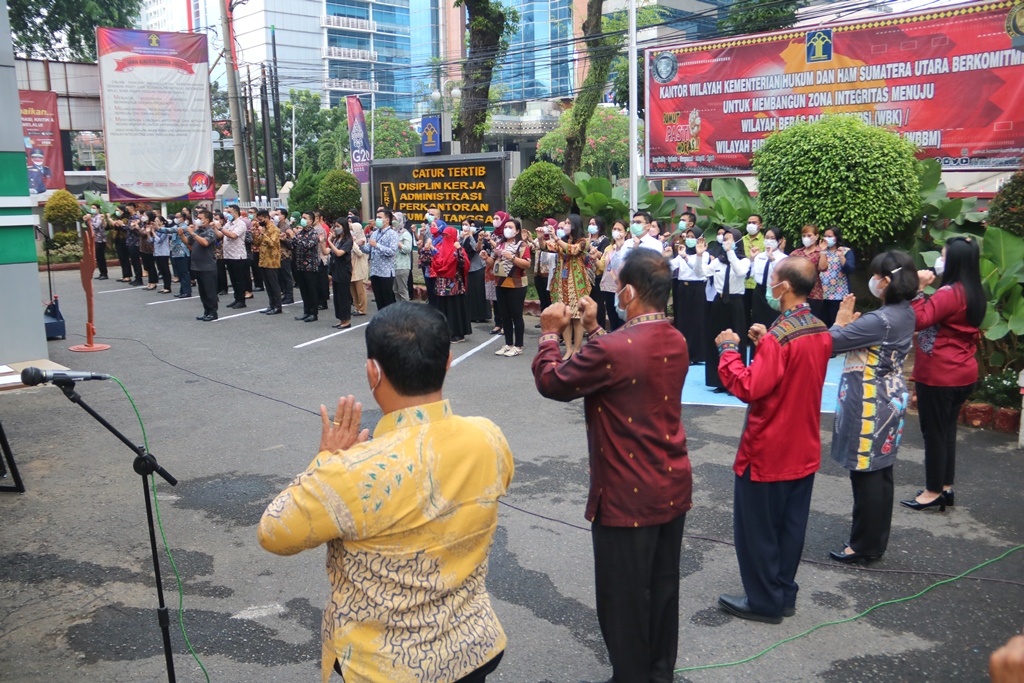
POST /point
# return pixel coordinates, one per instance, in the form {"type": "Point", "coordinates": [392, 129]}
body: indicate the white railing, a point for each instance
{"type": "Point", "coordinates": [349, 53]}
{"type": "Point", "coordinates": [329, 21]}
{"type": "Point", "coordinates": [355, 84]}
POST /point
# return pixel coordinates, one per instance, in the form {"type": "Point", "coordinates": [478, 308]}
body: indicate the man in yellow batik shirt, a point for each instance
{"type": "Point", "coordinates": [408, 518]}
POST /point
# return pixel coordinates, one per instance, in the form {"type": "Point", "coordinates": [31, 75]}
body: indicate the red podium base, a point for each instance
{"type": "Point", "coordinates": [89, 347]}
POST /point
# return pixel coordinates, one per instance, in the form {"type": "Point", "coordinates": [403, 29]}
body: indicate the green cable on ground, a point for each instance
{"type": "Point", "coordinates": [167, 548]}
{"type": "Point", "coordinates": [853, 618]}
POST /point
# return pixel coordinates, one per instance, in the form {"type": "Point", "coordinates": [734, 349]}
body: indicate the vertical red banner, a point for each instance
{"type": "Point", "coordinates": [359, 140]}
{"type": "Point", "coordinates": [41, 128]}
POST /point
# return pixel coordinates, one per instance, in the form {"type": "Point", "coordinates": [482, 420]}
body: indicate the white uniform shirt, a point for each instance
{"type": "Point", "coordinates": [685, 266]}
{"type": "Point", "coordinates": [234, 247]}
{"type": "Point", "coordinates": [738, 269]}
{"type": "Point", "coordinates": [761, 262]}
{"type": "Point", "coordinates": [652, 243]}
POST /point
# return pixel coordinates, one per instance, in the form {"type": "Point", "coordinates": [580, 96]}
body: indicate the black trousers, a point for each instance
{"type": "Point", "coordinates": [829, 311]}
{"type": "Point", "coordinates": [428, 282]}
{"type": "Point", "coordinates": [163, 265]}
{"type": "Point", "coordinates": [273, 286]}
{"type": "Point", "coordinates": [238, 271]}
{"type": "Point", "coordinates": [207, 282]}
{"type": "Point", "coordinates": [939, 410]}
{"type": "Point", "coordinates": [511, 301]}
{"type": "Point", "coordinates": [149, 264]}
{"type": "Point", "coordinates": [636, 576]}
{"type": "Point", "coordinates": [609, 305]}
{"type": "Point", "coordinates": [101, 258]}
{"type": "Point", "coordinates": [543, 295]}
{"type": "Point", "coordinates": [769, 524]}
{"type": "Point", "coordinates": [690, 315]}
{"type": "Point", "coordinates": [817, 307]}
{"type": "Point", "coordinates": [287, 280]}
{"type": "Point", "coordinates": [257, 272]}
{"type": "Point", "coordinates": [343, 299]}
{"type": "Point", "coordinates": [222, 275]}
{"type": "Point", "coordinates": [383, 291]}
{"type": "Point", "coordinates": [723, 315]}
{"type": "Point", "coordinates": [872, 510]}
{"type": "Point", "coordinates": [135, 257]}
{"type": "Point", "coordinates": [122, 256]}
{"type": "Point", "coordinates": [307, 290]}
{"type": "Point", "coordinates": [602, 318]}
{"type": "Point", "coordinates": [323, 289]}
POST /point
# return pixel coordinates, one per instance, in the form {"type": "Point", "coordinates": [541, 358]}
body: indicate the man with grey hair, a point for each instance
{"type": "Point", "coordinates": [403, 259]}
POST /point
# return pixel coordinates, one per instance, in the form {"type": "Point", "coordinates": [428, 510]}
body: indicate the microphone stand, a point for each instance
{"type": "Point", "coordinates": [144, 465]}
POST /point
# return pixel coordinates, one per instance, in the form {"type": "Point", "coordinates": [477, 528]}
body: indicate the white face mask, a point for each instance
{"type": "Point", "coordinates": [771, 244]}
{"type": "Point", "coordinates": [497, 223]}
{"type": "Point", "coordinates": [808, 241]}
{"type": "Point", "coordinates": [830, 241]}
{"type": "Point", "coordinates": [752, 228]}
{"type": "Point", "coordinates": [720, 238]}
{"type": "Point", "coordinates": [617, 234]}
{"type": "Point", "coordinates": [940, 266]}
{"type": "Point", "coordinates": [875, 287]}
{"type": "Point", "coordinates": [509, 233]}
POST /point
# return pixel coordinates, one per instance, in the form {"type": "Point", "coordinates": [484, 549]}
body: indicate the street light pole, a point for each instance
{"type": "Point", "coordinates": [241, 170]}
{"type": "Point", "coordinates": [633, 132]}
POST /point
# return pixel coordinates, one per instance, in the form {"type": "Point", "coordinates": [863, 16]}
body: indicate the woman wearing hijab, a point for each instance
{"type": "Point", "coordinates": [476, 289]}
{"type": "Point", "coordinates": [727, 272]}
{"type": "Point", "coordinates": [689, 302]}
{"type": "Point", "coordinates": [451, 271]}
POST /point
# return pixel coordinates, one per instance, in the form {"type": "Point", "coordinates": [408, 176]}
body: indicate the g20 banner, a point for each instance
{"type": "Point", "coordinates": [359, 141]}
{"type": "Point", "coordinates": [41, 129]}
{"type": "Point", "coordinates": [155, 94]}
{"type": "Point", "coordinates": [948, 79]}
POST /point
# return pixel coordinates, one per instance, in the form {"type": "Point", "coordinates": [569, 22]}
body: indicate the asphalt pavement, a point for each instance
{"type": "Point", "coordinates": [230, 409]}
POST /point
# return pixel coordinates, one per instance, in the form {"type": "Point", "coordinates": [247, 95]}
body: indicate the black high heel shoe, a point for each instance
{"type": "Point", "coordinates": [948, 493]}
{"type": "Point", "coordinates": [914, 505]}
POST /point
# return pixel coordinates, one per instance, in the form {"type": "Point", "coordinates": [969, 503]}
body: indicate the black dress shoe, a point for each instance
{"type": "Point", "coordinates": [939, 502]}
{"type": "Point", "coordinates": [738, 606]}
{"type": "Point", "coordinates": [222, 292]}
{"type": "Point", "coordinates": [310, 319]}
{"type": "Point", "coordinates": [287, 302]}
{"type": "Point", "coordinates": [274, 311]}
{"type": "Point", "coordinates": [211, 317]}
{"type": "Point", "coordinates": [852, 558]}
{"type": "Point", "coordinates": [301, 317]}
{"type": "Point", "coordinates": [200, 317]}
{"type": "Point", "coordinates": [268, 309]}
{"type": "Point", "coordinates": [137, 283]}
{"type": "Point", "coordinates": [240, 305]}
{"type": "Point", "coordinates": [257, 289]}
{"type": "Point", "coordinates": [233, 304]}
{"type": "Point", "coordinates": [102, 277]}
{"type": "Point", "coordinates": [948, 493]}
{"type": "Point", "coordinates": [789, 612]}
{"type": "Point", "coordinates": [322, 307]}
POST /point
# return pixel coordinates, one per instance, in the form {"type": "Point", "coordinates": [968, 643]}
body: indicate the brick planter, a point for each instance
{"type": "Point", "coordinates": [1007, 420]}
{"type": "Point", "coordinates": [963, 415]}
{"type": "Point", "coordinates": [980, 414]}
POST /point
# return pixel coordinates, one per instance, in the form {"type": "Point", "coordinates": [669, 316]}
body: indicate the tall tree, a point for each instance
{"type": "Point", "coordinates": [604, 37]}
{"type": "Point", "coordinates": [756, 16]}
{"type": "Point", "coordinates": [490, 26]}
{"type": "Point", "coordinates": [66, 29]}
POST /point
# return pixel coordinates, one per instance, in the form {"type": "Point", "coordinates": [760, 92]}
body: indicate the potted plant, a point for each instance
{"type": "Point", "coordinates": [997, 402]}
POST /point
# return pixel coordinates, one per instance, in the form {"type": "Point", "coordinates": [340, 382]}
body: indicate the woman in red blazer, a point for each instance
{"type": "Point", "coordinates": [945, 369]}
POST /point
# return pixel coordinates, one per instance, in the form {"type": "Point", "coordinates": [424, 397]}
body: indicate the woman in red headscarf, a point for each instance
{"type": "Point", "coordinates": [450, 267]}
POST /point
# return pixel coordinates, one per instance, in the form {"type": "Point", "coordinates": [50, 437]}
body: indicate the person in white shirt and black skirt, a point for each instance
{"type": "Point", "coordinates": [727, 268]}
{"type": "Point", "coordinates": [690, 306]}
{"type": "Point", "coordinates": [763, 263]}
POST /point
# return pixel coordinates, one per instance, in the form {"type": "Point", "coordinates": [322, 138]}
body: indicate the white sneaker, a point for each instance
{"type": "Point", "coordinates": [513, 351]}
{"type": "Point", "coordinates": [502, 351]}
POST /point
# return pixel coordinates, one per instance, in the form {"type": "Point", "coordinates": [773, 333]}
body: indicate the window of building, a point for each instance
{"type": "Point", "coordinates": [354, 41]}
{"type": "Point", "coordinates": [348, 8]}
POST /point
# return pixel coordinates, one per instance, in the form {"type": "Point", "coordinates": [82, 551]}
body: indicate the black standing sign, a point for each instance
{"type": "Point", "coordinates": [467, 187]}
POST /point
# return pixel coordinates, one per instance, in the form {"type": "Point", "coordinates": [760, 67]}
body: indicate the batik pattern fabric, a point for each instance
{"type": "Point", "coordinates": [408, 519]}
{"type": "Point", "coordinates": [873, 397]}
{"type": "Point", "coordinates": [306, 250]}
{"type": "Point", "coordinates": [834, 282]}
{"type": "Point", "coordinates": [571, 281]}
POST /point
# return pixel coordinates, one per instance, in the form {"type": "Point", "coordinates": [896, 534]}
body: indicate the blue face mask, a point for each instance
{"type": "Point", "coordinates": [621, 312]}
{"type": "Point", "coordinates": [560, 234]}
{"type": "Point", "coordinates": [304, 223]}
{"type": "Point", "coordinates": [379, 223]}
{"type": "Point", "coordinates": [592, 229]}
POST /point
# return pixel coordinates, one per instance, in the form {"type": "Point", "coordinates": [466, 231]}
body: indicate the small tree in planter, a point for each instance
{"type": "Point", "coordinates": [62, 210]}
{"type": "Point", "coordinates": [338, 194]}
{"type": "Point", "coordinates": [538, 193]}
{"type": "Point", "coordinates": [1007, 208]}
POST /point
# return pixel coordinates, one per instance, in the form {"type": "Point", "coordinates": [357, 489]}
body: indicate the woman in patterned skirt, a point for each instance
{"type": "Point", "coordinates": [451, 270]}
{"type": "Point", "coordinates": [570, 282]}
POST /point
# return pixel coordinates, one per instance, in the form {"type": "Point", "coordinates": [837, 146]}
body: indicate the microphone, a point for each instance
{"type": "Point", "coordinates": [33, 376]}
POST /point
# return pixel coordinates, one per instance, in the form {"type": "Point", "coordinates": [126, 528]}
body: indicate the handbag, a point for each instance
{"type": "Point", "coordinates": [502, 266]}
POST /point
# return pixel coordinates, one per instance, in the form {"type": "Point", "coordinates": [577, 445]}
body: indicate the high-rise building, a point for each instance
{"type": "Point", "coordinates": [542, 54]}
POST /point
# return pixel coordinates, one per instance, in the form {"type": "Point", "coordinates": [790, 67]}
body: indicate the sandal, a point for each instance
{"type": "Point", "coordinates": [165, 291]}
{"type": "Point", "coordinates": [497, 330]}
{"type": "Point", "coordinates": [151, 287]}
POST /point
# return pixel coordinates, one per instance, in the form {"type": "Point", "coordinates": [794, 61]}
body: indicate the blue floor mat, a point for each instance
{"type": "Point", "coordinates": [696, 393]}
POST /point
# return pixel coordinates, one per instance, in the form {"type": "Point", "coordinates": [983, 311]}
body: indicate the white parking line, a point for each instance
{"type": "Point", "coordinates": [259, 310]}
{"type": "Point", "coordinates": [477, 348]}
{"type": "Point", "coordinates": [171, 301]}
{"type": "Point", "coordinates": [129, 288]}
{"type": "Point", "coordinates": [335, 334]}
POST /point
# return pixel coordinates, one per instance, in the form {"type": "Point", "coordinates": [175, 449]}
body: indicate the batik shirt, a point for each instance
{"type": "Point", "coordinates": [306, 250]}
{"type": "Point", "coordinates": [408, 519]}
{"type": "Point", "coordinates": [178, 248]}
{"type": "Point", "coordinates": [382, 256]}
{"type": "Point", "coordinates": [834, 282]}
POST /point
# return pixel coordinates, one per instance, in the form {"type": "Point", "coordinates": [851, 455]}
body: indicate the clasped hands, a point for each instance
{"type": "Point", "coordinates": [556, 318]}
{"type": "Point", "coordinates": [342, 432]}
{"type": "Point", "coordinates": [756, 333]}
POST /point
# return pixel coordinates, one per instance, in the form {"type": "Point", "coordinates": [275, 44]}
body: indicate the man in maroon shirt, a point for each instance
{"type": "Point", "coordinates": [781, 445]}
{"type": "Point", "coordinates": [631, 382]}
